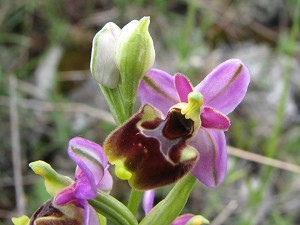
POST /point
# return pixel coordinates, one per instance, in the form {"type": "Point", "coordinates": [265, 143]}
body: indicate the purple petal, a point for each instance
{"type": "Point", "coordinates": [183, 219]}
{"type": "Point", "coordinates": [65, 196]}
{"type": "Point", "coordinates": [90, 215]}
{"type": "Point", "coordinates": [183, 87]}
{"type": "Point", "coordinates": [225, 87]}
{"type": "Point", "coordinates": [210, 118]}
{"type": "Point", "coordinates": [106, 182]}
{"type": "Point", "coordinates": [148, 200]}
{"type": "Point", "coordinates": [85, 187]}
{"type": "Point", "coordinates": [157, 89]}
{"type": "Point", "coordinates": [212, 164]}
{"type": "Point", "coordinates": [90, 159]}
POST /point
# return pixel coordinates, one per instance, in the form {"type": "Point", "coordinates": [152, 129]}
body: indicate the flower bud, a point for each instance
{"type": "Point", "coordinates": [103, 66]}
{"type": "Point", "coordinates": [197, 220]}
{"type": "Point", "coordinates": [134, 55]}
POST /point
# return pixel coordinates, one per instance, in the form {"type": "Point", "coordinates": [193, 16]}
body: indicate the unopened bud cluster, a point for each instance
{"type": "Point", "coordinates": [122, 55]}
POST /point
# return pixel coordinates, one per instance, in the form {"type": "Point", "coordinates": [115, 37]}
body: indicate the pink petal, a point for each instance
{"type": "Point", "coordinates": [183, 87]}
{"type": "Point", "coordinates": [90, 159]}
{"type": "Point", "coordinates": [183, 219]}
{"type": "Point", "coordinates": [211, 118]}
{"type": "Point", "coordinates": [106, 182]}
{"type": "Point", "coordinates": [85, 187]}
{"type": "Point", "coordinates": [225, 87]}
{"type": "Point", "coordinates": [212, 164]}
{"type": "Point", "coordinates": [65, 196]}
{"type": "Point", "coordinates": [148, 200]}
{"type": "Point", "coordinates": [90, 215]}
{"type": "Point", "coordinates": [157, 89]}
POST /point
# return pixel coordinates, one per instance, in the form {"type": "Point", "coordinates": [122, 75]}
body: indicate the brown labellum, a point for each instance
{"type": "Point", "coordinates": [153, 149]}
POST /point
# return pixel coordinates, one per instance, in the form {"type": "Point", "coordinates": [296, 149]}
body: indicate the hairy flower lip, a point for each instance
{"type": "Point", "coordinates": [177, 122]}
{"type": "Point", "coordinates": [145, 136]}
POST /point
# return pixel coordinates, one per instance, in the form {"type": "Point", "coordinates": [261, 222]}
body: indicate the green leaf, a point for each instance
{"type": "Point", "coordinates": [168, 209]}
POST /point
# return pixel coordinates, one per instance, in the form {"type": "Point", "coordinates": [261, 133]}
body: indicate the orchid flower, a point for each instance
{"type": "Point", "coordinates": [71, 196]}
{"type": "Point", "coordinates": [91, 174]}
{"type": "Point", "coordinates": [222, 90]}
{"type": "Point", "coordinates": [179, 128]}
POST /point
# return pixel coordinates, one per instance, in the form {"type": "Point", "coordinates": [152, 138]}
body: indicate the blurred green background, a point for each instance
{"type": "Point", "coordinates": [47, 94]}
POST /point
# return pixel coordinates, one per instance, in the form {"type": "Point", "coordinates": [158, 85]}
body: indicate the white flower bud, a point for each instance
{"type": "Point", "coordinates": [103, 66]}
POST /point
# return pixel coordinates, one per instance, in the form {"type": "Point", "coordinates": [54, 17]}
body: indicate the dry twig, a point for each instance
{"type": "Point", "coordinates": [225, 213]}
{"type": "Point", "coordinates": [263, 160]}
{"type": "Point", "coordinates": [16, 147]}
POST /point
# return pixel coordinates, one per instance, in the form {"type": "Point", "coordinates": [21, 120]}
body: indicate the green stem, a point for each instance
{"type": "Point", "coordinates": [121, 111]}
{"type": "Point", "coordinates": [114, 210]}
{"type": "Point", "coordinates": [115, 102]}
{"type": "Point", "coordinates": [188, 29]}
{"type": "Point", "coordinates": [134, 200]}
{"type": "Point", "coordinates": [169, 208]}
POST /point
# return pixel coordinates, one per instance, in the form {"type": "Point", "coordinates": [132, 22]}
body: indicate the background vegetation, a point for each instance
{"type": "Point", "coordinates": [47, 95]}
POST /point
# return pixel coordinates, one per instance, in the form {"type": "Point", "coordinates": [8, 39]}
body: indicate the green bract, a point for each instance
{"type": "Point", "coordinates": [22, 220]}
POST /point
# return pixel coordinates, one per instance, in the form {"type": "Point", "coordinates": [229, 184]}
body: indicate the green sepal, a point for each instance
{"type": "Point", "coordinates": [112, 209]}
{"type": "Point", "coordinates": [166, 211]}
{"type": "Point", "coordinates": [22, 220]}
{"type": "Point", "coordinates": [54, 182]}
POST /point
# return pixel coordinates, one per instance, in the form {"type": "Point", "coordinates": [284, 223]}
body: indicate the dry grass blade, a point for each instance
{"type": "Point", "coordinates": [72, 107]}
{"type": "Point", "coordinates": [263, 160]}
{"type": "Point", "coordinates": [16, 147]}
{"type": "Point", "coordinates": [226, 212]}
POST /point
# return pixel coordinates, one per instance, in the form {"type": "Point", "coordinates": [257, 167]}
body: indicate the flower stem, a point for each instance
{"type": "Point", "coordinates": [114, 210]}
{"type": "Point", "coordinates": [134, 200]}
{"type": "Point", "coordinates": [116, 103]}
{"type": "Point", "coordinates": [168, 209]}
